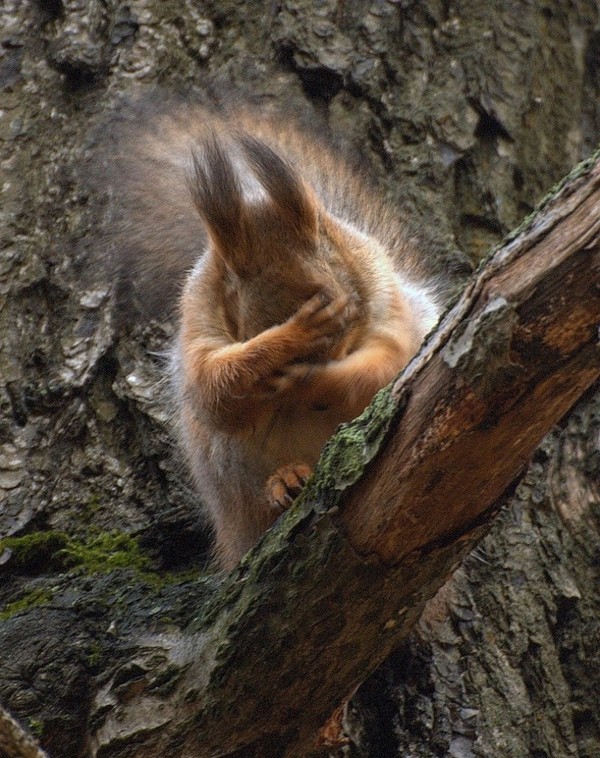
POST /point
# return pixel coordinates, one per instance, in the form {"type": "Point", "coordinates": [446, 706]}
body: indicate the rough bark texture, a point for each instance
{"type": "Point", "coordinates": [468, 112]}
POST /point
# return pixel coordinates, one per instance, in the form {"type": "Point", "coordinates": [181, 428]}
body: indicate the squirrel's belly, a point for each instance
{"type": "Point", "coordinates": [297, 434]}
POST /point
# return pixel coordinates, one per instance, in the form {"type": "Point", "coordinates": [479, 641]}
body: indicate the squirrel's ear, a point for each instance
{"type": "Point", "coordinates": [217, 195]}
{"type": "Point", "coordinates": [293, 201]}
{"type": "Point", "coordinates": [251, 232]}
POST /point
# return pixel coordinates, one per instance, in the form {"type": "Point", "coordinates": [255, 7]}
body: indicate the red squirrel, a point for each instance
{"type": "Point", "coordinates": [298, 295]}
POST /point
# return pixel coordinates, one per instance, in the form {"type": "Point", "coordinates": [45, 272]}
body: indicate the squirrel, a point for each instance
{"type": "Point", "coordinates": [297, 290]}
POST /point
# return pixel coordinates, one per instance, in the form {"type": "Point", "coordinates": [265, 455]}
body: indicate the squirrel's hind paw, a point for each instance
{"type": "Point", "coordinates": [284, 486]}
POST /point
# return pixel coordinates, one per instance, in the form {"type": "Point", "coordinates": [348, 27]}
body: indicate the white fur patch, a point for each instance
{"type": "Point", "coordinates": [422, 300]}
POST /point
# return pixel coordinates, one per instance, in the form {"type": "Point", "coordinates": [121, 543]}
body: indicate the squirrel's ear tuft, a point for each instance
{"type": "Point", "coordinates": [287, 192]}
{"type": "Point", "coordinates": [248, 231]}
{"type": "Point", "coordinates": [217, 195]}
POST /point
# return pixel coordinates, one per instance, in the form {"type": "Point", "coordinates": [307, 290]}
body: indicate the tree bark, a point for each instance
{"type": "Point", "coordinates": [343, 578]}
{"type": "Point", "coordinates": [470, 113]}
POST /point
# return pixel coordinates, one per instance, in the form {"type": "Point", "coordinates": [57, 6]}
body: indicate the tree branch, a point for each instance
{"type": "Point", "coordinates": [15, 741]}
{"type": "Point", "coordinates": [399, 497]}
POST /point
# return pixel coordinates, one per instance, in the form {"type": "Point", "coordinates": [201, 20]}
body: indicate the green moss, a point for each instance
{"type": "Point", "coordinates": [34, 551]}
{"type": "Point", "coordinates": [354, 444]}
{"type": "Point", "coordinates": [29, 600]}
{"type": "Point", "coordinates": [94, 654]}
{"type": "Point", "coordinates": [36, 727]}
{"type": "Point", "coordinates": [100, 553]}
{"type": "Point", "coordinates": [106, 552]}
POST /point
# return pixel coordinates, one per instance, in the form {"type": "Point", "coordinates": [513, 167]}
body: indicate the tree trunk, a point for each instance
{"type": "Point", "coordinates": [468, 115]}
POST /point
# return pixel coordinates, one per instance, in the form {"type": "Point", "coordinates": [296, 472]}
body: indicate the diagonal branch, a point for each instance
{"type": "Point", "coordinates": [399, 497]}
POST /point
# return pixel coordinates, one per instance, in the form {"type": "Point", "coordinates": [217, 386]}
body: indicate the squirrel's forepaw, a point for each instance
{"type": "Point", "coordinates": [284, 486]}
{"type": "Point", "coordinates": [324, 317]}
{"type": "Point", "coordinates": [281, 381]}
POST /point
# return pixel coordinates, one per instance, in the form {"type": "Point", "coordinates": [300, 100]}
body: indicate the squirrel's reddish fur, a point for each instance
{"type": "Point", "coordinates": [301, 296]}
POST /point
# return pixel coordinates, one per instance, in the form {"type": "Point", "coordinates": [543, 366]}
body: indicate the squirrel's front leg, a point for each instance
{"type": "Point", "coordinates": [349, 384]}
{"type": "Point", "coordinates": [235, 382]}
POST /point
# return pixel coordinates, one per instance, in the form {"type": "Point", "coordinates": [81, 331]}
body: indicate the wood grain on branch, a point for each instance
{"type": "Point", "coordinates": [399, 497]}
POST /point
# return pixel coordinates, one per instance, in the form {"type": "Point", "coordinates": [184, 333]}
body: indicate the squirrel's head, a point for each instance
{"type": "Point", "coordinates": [276, 245]}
